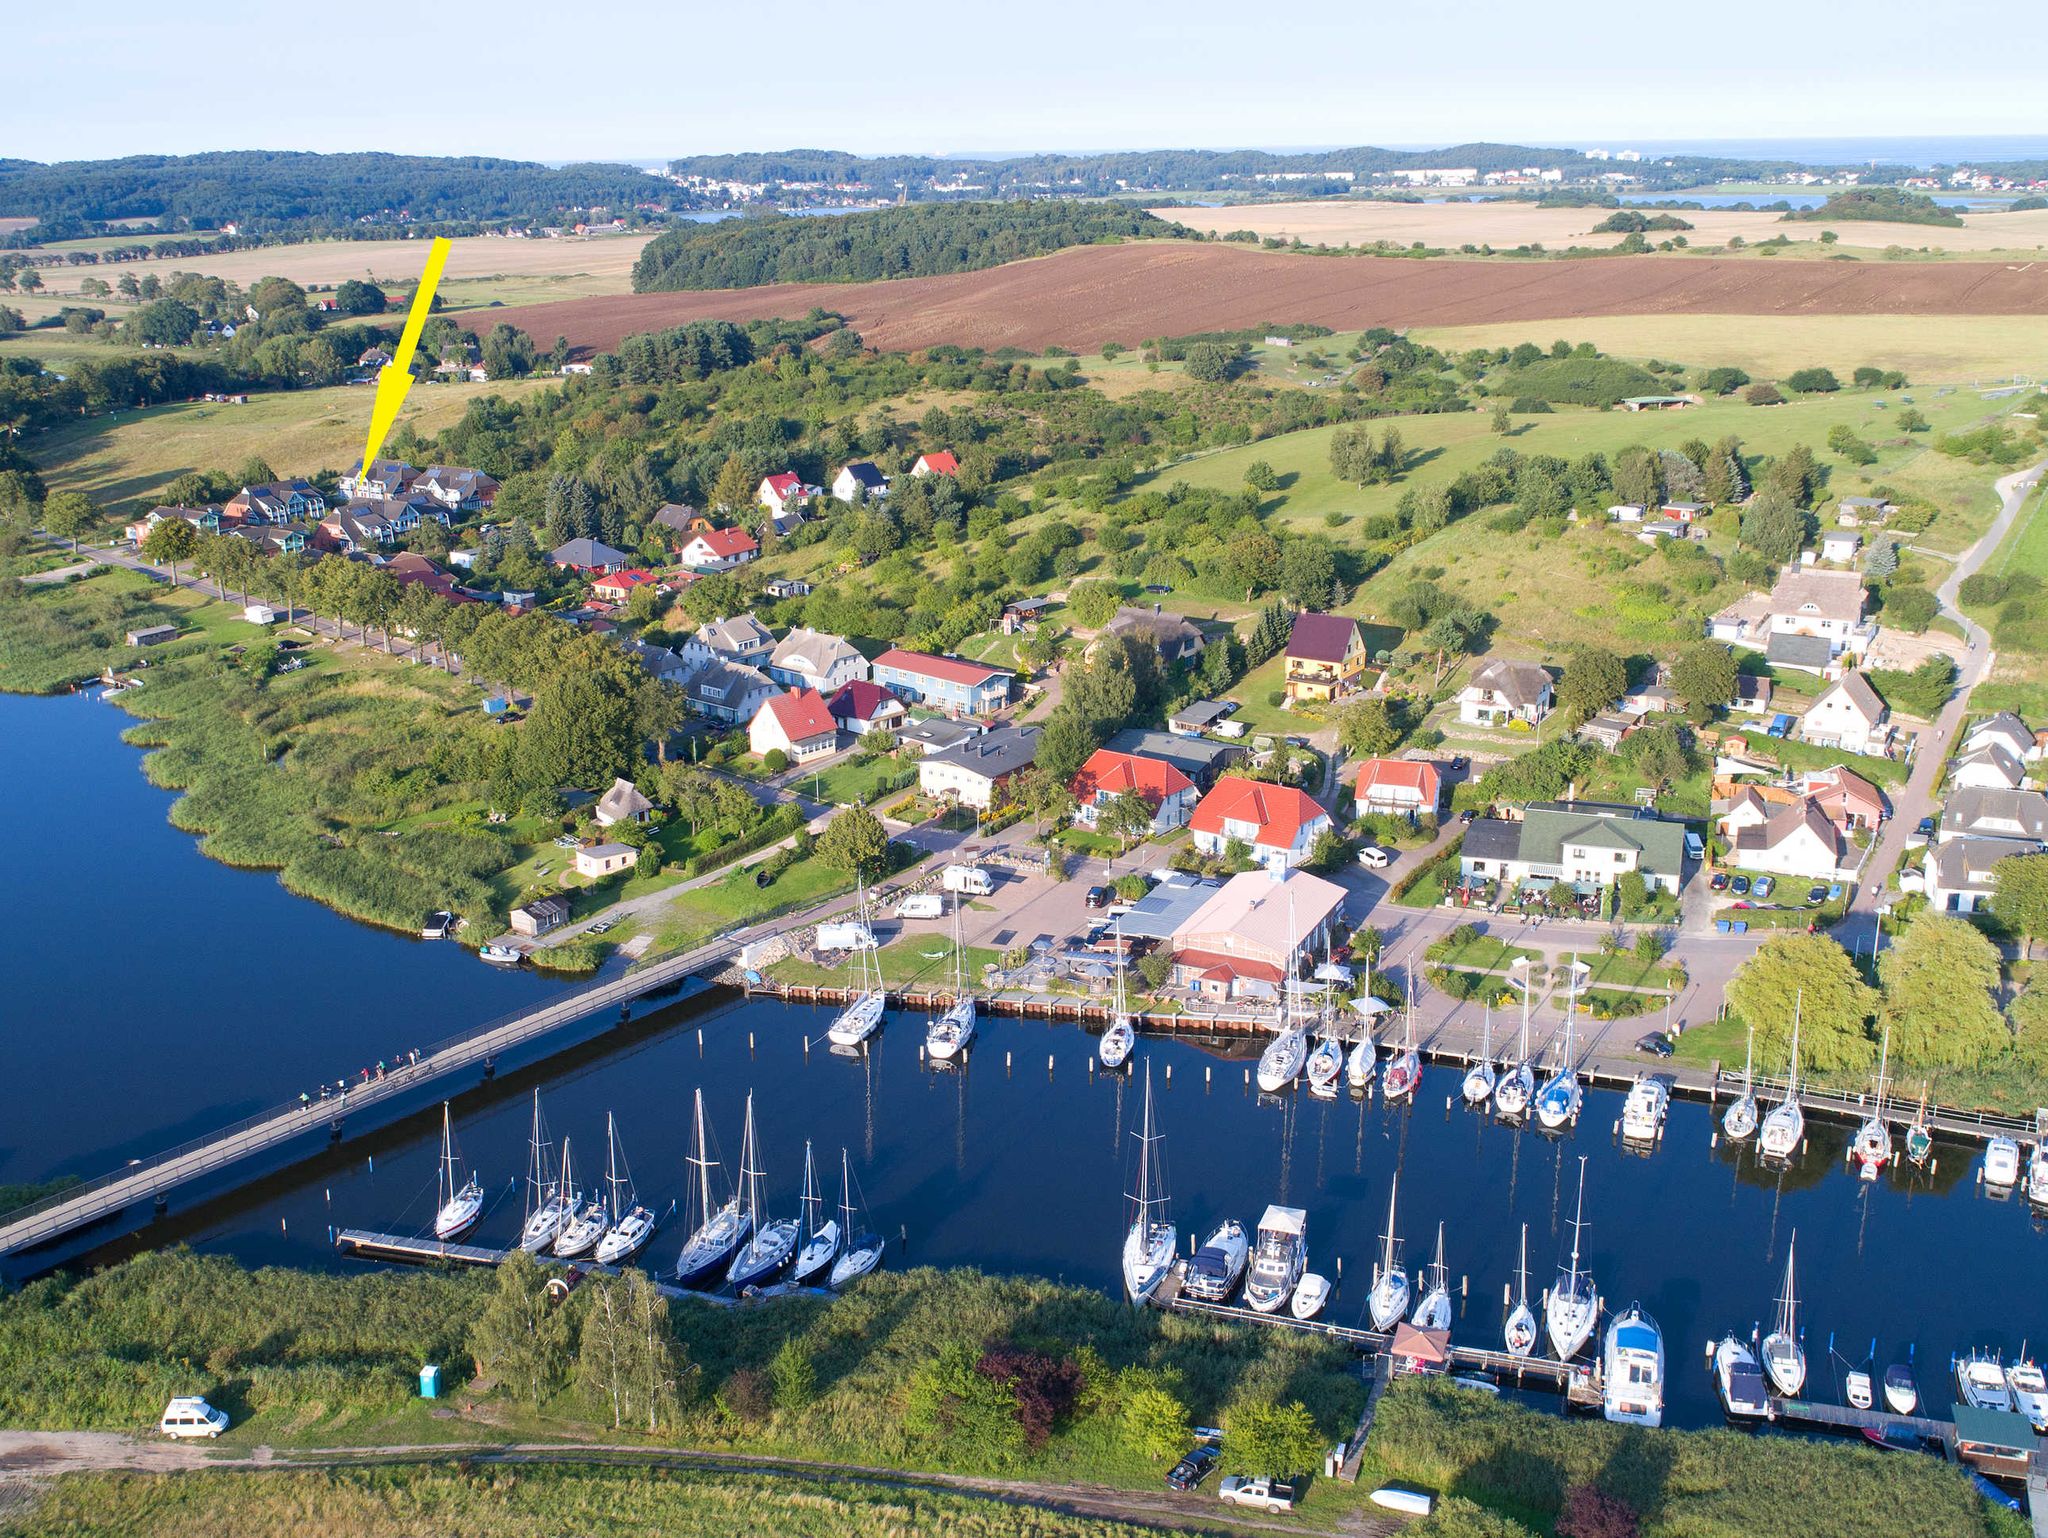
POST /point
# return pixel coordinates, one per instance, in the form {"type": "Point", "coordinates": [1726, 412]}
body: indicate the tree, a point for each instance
{"type": "Point", "coordinates": [1503, 420]}
{"type": "Point", "coordinates": [1266, 1437]}
{"type": "Point", "coordinates": [1814, 976]}
{"type": "Point", "coordinates": [1259, 476]}
{"type": "Point", "coordinates": [67, 513]}
{"type": "Point", "coordinates": [1812, 381]}
{"type": "Point", "coordinates": [1593, 680]}
{"type": "Point", "coordinates": [1064, 744]}
{"type": "Point", "coordinates": [522, 1337]}
{"type": "Point", "coordinates": [1775, 527]}
{"type": "Point", "coordinates": [165, 323]}
{"type": "Point", "coordinates": [1308, 573]}
{"type": "Point", "coordinates": [1125, 817]}
{"type": "Point", "coordinates": [1939, 980]}
{"type": "Point", "coordinates": [1153, 1420]}
{"type": "Point", "coordinates": [1210, 362]}
{"type": "Point", "coordinates": [1091, 605]}
{"type": "Point", "coordinates": [171, 541]}
{"type": "Point", "coordinates": [1703, 677]}
{"type": "Point", "coordinates": [794, 1375]}
{"type": "Point", "coordinates": [1911, 608]}
{"type": "Point", "coordinates": [775, 761]}
{"type": "Point", "coordinates": [1368, 728]}
{"type": "Point", "coordinates": [1883, 558]}
{"type": "Point", "coordinates": [627, 1358]}
{"type": "Point", "coordinates": [1763, 395]}
{"type": "Point", "coordinates": [1252, 561]}
{"type": "Point", "coordinates": [855, 841]}
{"type": "Point", "coordinates": [356, 297]}
{"type": "Point", "coordinates": [734, 488]}
{"type": "Point", "coordinates": [2019, 886]}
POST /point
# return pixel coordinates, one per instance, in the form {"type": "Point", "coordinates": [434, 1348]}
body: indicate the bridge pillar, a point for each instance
{"type": "Point", "coordinates": [162, 1204]}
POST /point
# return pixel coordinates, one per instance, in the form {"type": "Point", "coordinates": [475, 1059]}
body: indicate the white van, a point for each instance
{"type": "Point", "coordinates": [970, 879]}
{"type": "Point", "coordinates": [1374, 858]}
{"type": "Point", "coordinates": [192, 1417]}
{"type": "Point", "coordinates": [845, 937]}
{"type": "Point", "coordinates": [926, 905]}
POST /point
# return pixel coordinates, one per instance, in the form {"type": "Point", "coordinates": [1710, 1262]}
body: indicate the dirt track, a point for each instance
{"type": "Point", "coordinates": [1098, 294]}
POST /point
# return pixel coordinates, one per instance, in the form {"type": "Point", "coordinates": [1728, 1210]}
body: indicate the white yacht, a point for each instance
{"type": "Point", "coordinates": [1213, 1271]}
{"type": "Point", "coordinates": [774, 1241]}
{"type": "Point", "coordinates": [2002, 1163]}
{"type": "Point", "coordinates": [1364, 1056]}
{"type": "Point", "coordinates": [1872, 1148]}
{"type": "Point", "coordinates": [1310, 1294]}
{"type": "Point", "coordinates": [1478, 1085]}
{"type": "Point", "coordinates": [946, 1036]}
{"type": "Point", "coordinates": [1278, 1259]}
{"type": "Point", "coordinates": [1901, 1393]}
{"type": "Point", "coordinates": [1520, 1330]}
{"type": "Point", "coordinates": [1404, 1068]}
{"type": "Point", "coordinates": [1740, 1382]}
{"type": "Point", "coordinates": [2037, 1175]}
{"type": "Point", "coordinates": [1280, 1064]}
{"type": "Point", "coordinates": [717, 1225]}
{"type": "Point", "coordinates": [1516, 1087]}
{"type": "Point", "coordinates": [1114, 1049]}
{"type": "Point", "coordinates": [1739, 1120]}
{"type": "Point", "coordinates": [1389, 1298]}
{"type": "Point", "coordinates": [1981, 1381]}
{"type": "Point", "coordinates": [1633, 1369]}
{"type": "Point", "coordinates": [1856, 1389]}
{"type": "Point", "coordinates": [1643, 1112]}
{"type": "Point", "coordinates": [1434, 1311]}
{"type": "Point", "coordinates": [1152, 1241]}
{"type": "Point", "coordinates": [1785, 1128]}
{"type": "Point", "coordinates": [1558, 1102]}
{"type": "Point", "coordinates": [1784, 1355]}
{"type": "Point", "coordinates": [1325, 1067]}
{"type": "Point", "coordinates": [1919, 1135]}
{"type": "Point", "coordinates": [817, 1243]}
{"type": "Point", "coordinates": [550, 1201]}
{"type": "Point", "coordinates": [1571, 1309]}
{"type": "Point", "coordinates": [501, 955]}
{"type": "Point", "coordinates": [457, 1207]}
{"type": "Point", "coordinates": [584, 1227]}
{"type": "Point", "coordinates": [2029, 1390]}
{"type": "Point", "coordinates": [862, 1250]}
{"type": "Point", "coordinates": [863, 1017]}
{"type": "Point", "coordinates": [632, 1225]}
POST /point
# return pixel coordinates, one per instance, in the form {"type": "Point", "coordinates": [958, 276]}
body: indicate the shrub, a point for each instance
{"type": "Point", "coordinates": [775, 761]}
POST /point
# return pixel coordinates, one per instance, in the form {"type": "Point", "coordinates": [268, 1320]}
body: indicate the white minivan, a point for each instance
{"type": "Point", "coordinates": [192, 1417]}
{"type": "Point", "coordinates": [1374, 858]}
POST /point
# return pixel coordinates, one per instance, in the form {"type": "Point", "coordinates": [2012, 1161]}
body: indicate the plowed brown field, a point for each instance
{"type": "Point", "coordinates": [1083, 298]}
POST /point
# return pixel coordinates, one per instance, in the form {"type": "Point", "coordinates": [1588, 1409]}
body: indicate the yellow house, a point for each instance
{"type": "Point", "coordinates": [1326, 657]}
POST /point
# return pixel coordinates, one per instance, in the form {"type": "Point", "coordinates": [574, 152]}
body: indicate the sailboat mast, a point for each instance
{"type": "Point", "coordinates": [1792, 1073]}
{"type": "Point", "coordinates": [611, 1179]}
{"type": "Point", "coordinates": [1578, 1219]}
{"type": "Point", "coordinates": [1387, 1261]}
{"type": "Point", "coordinates": [810, 1197]}
{"type": "Point", "coordinates": [447, 1151]}
{"type": "Point", "coordinates": [1523, 1270]}
{"type": "Point", "coordinates": [536, 1174]}
{"type": "Point", "coordinates": [846, 1193]}
{"type": "Point", "coordinates": [1144, 1197]}
{"type": "Point", "coordinates": [1787, 1308]}
{"type": "Point", "coordinates": [703, 1163]}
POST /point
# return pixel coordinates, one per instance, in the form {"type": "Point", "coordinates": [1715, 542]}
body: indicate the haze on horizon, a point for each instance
{"type": "Point", "coordinates": [524, 79]}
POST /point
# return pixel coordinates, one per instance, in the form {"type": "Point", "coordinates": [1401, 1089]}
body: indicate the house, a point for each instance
{"type": "Point", "coordinates": [1107, 775]}
{"type": "Point", "coordinates": [1173, 636]}
{"type": "Point", "coordinates": [784, 493]}
{"type": "Point", "coordinates": [1840, 546]}
{"type": "Point", "coordinates": [797, 723]}
{"type": "Point", "coordinates": [590, 556]}
{"type": "Point", "coordinates": [1660, 528]}
{"type": "Point", "coordinates": [1607, 730]}
{"type": "Point", "coordinates": [1649, 698]}
{"type": "Point", "coordinates": [622, 803]}
{"type": "Point", "coordinates": [858, 481]}
{"type": "Point", "coordinates": [1960, 874]}
{"type": "Point", "coordinates": [726, 691]}
{"type": "Point", "coordinates": [373, 357]}
{"type": "Point", "coordinates": [1583, 844]}
{"type": "Point", "coordinates": [352, 531]}
{"type": "Point", "coordinates": [1413, 787]}
{"type": "Point", "coordinates": [1848, 715]}
{"type": "Point", "coordinates": [1995, 814]}
{"type": "Point", "coordinates": [718, 550]}
{"type": "Point", "coordinates": [786, 587]}
{"type": "Point", "coordinates": [1254, 933]}
{"type": "Point", "coordinates": [1686, 512]}
{"type": "Point", "coordinates": [939, 462]}
{"type": "Point", "coordinates": [1659, 402]}
{"type": "Point", "coordinates": [597, 861]}
{"type": "Point", "coordinates": [1193, 719]}
{"type": "Point", "coordinates": [1199, 758]}
{"type": "Point", "coordinates": [741, 639]}
{"type": "Point", "coordinates": [1278, 824]}
{"type": "Point", "coordinates": [622, 585]}
{"type": "Point", "coordinates": [860, 707]}
{"type": "Point", "coordinates": [1163, 911]}
{"type": "Point", "coordinates": [458, 488]}
{"type": "Point", "coordinates": [152, 635]}
{"type": "Point", "coordinates": [2005, 728]}
{"type": "Point", "coordinates": [1850, 801]}
{"type": "Point", "coordinates": [946, 683]}
{"type": "Point", "coordinates": [1020, 613]}
{"type": "Point", "coordinates": [386, 478]}
{"type": "Point", "coordinates": [813, 659]}
{"type": "Point", "coordinates": [202, 518]}
{"type": "Point", "coordinates": [1806, 653]}
{"type": "Point", "coordinates": [933, 734]}
{"type": "Point", "coordinates": [1805, 601]}
{"type": "Point", "coordinates": [1503, 690]}
{"type": "Point", "coordinates": [1796, 840]}
{"type": "Point", "coordinates": [538, 915]}
{"type": "Point", "coordinates": [281, 501]}
{"type": "Point", "coordinates": [1752, 695]}
{"type": "Point", "coordinates": [1852, 511]}
{"type": "Point", "coordinates": [1990, 767]}
{"type": "Point", "coordinates": [973, 772]}
{"type": "Point", "coordinates": [1326, 657]}
{"type": "Point", "coordinates": [1626, 512]}
{"type": "Point", "coordinates": [680, 518]}
{"type": "Point", "coordinates": [663, 665]}
{"type": "Point", "coordinates": [413, 570]}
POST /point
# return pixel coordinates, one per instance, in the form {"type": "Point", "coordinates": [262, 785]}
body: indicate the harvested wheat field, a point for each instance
{"type": "Point", "coordinates": [1126, 293]}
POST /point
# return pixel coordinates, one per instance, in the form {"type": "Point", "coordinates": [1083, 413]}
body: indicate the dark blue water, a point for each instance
{"type": "Point", "coordinates": [163, 992]}
{"type": "Point", "coordinates": [1792, 196]}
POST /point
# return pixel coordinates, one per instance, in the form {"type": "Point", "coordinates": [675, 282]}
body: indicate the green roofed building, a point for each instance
{"type": "Point", "coordinates": [1585, 844]}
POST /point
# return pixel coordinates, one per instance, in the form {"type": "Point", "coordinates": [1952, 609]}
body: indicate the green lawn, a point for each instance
{"type": "Point", "coordinates": [853, 780]}
{"type": "Point", "coordinates": [731, 903]}
{"type": "Point", "coordinates": [904, 964]}
{"type": "Point", "coordinates": [1481, 954]}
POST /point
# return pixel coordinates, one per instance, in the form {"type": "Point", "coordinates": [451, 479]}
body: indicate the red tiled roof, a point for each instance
{"type": "Point", "coordinates": [782, 485]}
{"type": "Point", "coordinates": [952, 669]}
{"type": "Point", "coordinates": [862, 701]}
{"type": "Point", "coordinates": [1221, 968]}
{"type": "Point", "coordinates": [941, 462]}
{"type": "Point", "coordinates": [1152, 778]}
{"type": "Point", "coordinates": [1321, 637]}
{"type": "Point", "coordinates": [1418, 775]}
{"type": "Point", "coordinates": [726, 543]}
{"type": "Point", "coordinates": [625, 581]}
{"type": "Point", "coordinates": [801, 713]}
{"type": "Point", "coordinates": [1279, 811]}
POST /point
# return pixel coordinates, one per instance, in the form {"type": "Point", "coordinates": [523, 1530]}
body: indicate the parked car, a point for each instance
{"type": "Point", "coordinates": [1834, 891]}
{"type": "Point", "coordinates": [1467, 815]}
{"type": "Point", "coordinates": [1098, 897]}
{"type": "Point", "coordinates": [1719, 883]}
{"type": "Point", "coordinates": [1374, 858]}
{"type": "Point", "coordinates": [192, 1417]}
{"type": "Point", "coordinates": [1925, 827]}
{"type": "Point", "coordinates": [1695, 847]}
{"type": "Point", "coordinates": [1816, 895]}
{"type": "Point", "coordinates": [1745, 903]}
{"type": "Point", "coordinates": [1763, 886]}
{"type": "Point", "coordinates": [1193, 1469]}
{"type": "Point", "coordinates": [1739, 886]}
{"type": "Point", "coordinates": [1260, 1493]}
{"type": "Point", "coordinates": [1657, 1044]}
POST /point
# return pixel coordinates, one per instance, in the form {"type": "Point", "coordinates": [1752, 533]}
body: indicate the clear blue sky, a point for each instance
{"type": "Point", "coordinates": [646, 79]}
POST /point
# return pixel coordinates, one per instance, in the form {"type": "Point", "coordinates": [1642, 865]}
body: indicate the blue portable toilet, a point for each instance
{"type": "Point", "coordinates": [430, 1382]}
{"type": "Point", "coordinates": [495, 705]}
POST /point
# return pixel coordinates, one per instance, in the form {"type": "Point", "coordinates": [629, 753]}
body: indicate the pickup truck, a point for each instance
{"type": "Point", "coordinates": [1261, 1493]}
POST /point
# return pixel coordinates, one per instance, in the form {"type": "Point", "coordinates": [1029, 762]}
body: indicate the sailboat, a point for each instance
{"type": "Point", "coordinates": [1920, 1136]}
{"type": "Point", "coordinates": [772, 1244]}
{"type": "Point", "coordinates": [1784, 1356]}
{"type": "Point", "coordinates": [456, 1207]}
{"type": "Point", "coordinates": [819, 1245]}
{"type": "Point", "coordinates": [1872, 1149]}
{"type": "Point", "coordinates": [860, 1019]}
{"type": "Point", "coordinates": [1281, 1063]}
{"type": "Point", "coordinates": [1520, 1329]}
{"type": "Point", "coordinates": [1114, 1050]}
{"type": "Point", "coordinates": [1404, 1069]}
{"type": "Point", "coordinates": [1325, 1065]}
{"type": "Point", "coordinates": [1364, 1055]}
{"type": "Point", "coordinates": [549, 1201]}
{"type": "Point", "coordinates": [1558, 1102]}
{"type": "Point", "coordinates": [632, 1225]}
{"type": "Point", "coordinates": [1479, 1077]}
{"type": "Point", "coordinates": [582, 1228]}
{"type": "Point", "coordinates": [1434, 1311]}
{"type": "Point", "coordinates": [1739, 1120]}
{"type": "Point", "coordinates": [946, 1037]}
{"type": "Point", "coordinates": [1785, 1127]}
{"type": "Point", "coordinates": [1516, 1087]}
{"type": "Point", "coordinates": [863, 1251]}
{"type": "Point", "coordinates": [1152, 1242]}
{"type": "Point", "coordinates": [718, 1227]}
{"type": "Point", "coordinates": [1389, 1298]}
{"type": "Point", "coordinates": [1572, 1307]}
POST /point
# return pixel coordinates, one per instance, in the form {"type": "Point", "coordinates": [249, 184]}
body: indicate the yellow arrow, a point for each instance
{"type": "Point", "coordinates": [395, 378]}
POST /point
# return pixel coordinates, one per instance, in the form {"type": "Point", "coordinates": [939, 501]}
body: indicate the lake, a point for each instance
{"type": "Point", "coordinates": [156, 993]}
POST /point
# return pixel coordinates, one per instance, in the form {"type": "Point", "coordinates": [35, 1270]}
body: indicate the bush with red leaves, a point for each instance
{"type": "Point", "coordinates": [1046, 1387]}
{"type": "Point", "coordinates": [1591, 1513]}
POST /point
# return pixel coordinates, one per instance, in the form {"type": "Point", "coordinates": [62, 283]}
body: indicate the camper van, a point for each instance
{"type": "Point", "coordinates": [192, 1417]}
{"type": "Point", "coordinates": [845, 937]}
{"type": "Point", "coordinates": [969, 879]}
{"type": "Point", "coordinates": [926, 905]}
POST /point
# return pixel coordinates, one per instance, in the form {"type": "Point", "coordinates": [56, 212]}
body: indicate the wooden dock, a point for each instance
{"type": "Point", "coordinates": [1841, 1417]}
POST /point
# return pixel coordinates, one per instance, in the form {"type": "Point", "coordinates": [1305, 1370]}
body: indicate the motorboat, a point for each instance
{"type": "Point", "coordinates": [457, 1206]}
{"type": "Point", "coordinates": [862, 1251]}
{"type": "Point", "coordinates": [1738, 1122]}
{"type": "Point", "coordinates": [1643, 1112]}
{"type": "Point", "coordinates": [1901, 1393]}
{"type": "Point", "coordinates": [1388, 1301]}
{"type": "Point", "coordinates": [718, 1225]}
{"type": "Point", "coordinates": [501, 955]}
{"type": "Point", "coordinates": [1213, 1272]}
{"type": "Point", "coordinates": [1784, 1129]}
{"type": "Point", "coordinates": [863, 1017]}
{"type": "Point", "coordinates": [947, 1035]}
{"type": "Point", "coordinates": [550, 1200]}
{"type": "Point", "coordinates": [632, 1225]}
{"type": "Point", "coordinates": [1404, 1069]}
{"type": "Point", "coordinates": [1326, 1067]}
{"type": "Point", "coordinates": [1278, 1259]}
{"type": "Point", "coordinates": [1310, 1294]}
{"type": "Point", "coordinates": [2002, 1163]}
{"type": "Point", "coordinates": [1559, 1101]}
{"type": "Point", "coordinates": [1280, 1064]}
{"type": "Point", "coordinates": [1871, 1149]}
{"type": "Point", "coordinates": [1981, 1381]}
{"type": "Point", "coordinates": [1434, 1311]}
{"type": "Point", "coordinates": [1632, 1374]}
{"type": "Point", "coordinates": [1856, 1388]}
{"type": "Point", "coordinates": [1151, 1242]}
{"type": "Point", "coordinates": [1515, 1087]}
{"type": "Point", "coordinates": [1784, 1355]}
{"type": "Point", "coordinates": [1740, 1382]}
{"type": "Point", "coordinates": [1478, 1085]}
{"type": "Point", "coordinates": [1572, 1307]}
{"type": "Point", "coordinates": [1520, 1331]}
{"type": "Point", "coordinates": [2029, 1389]}
{"type": "Point", "coordinates": [2037, 1175]}
{"type": "Point", "coordinates": [817, 1243]}
{"type": "Point", "coordinates": [773, 1242]}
